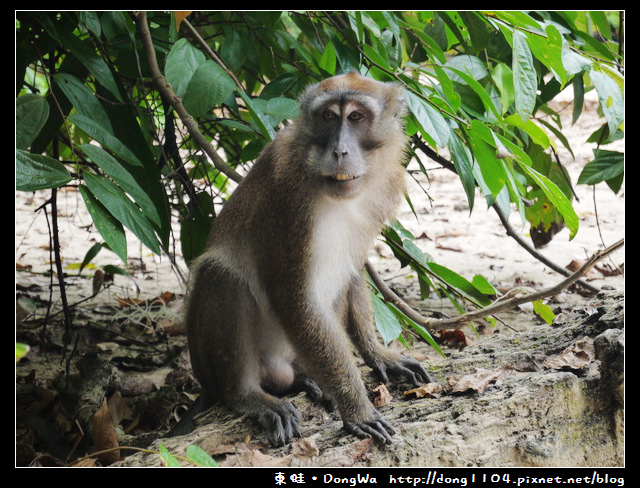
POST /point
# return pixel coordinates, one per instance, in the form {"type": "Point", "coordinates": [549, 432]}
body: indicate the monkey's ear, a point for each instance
{"type": "Point", "coordinates": [396, 100]}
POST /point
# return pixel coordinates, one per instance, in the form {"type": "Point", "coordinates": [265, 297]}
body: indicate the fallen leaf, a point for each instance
{"type": "Point", "coordinates": [576, 356]}
{"type": "Point", "coordinates": [105, 437]}
{"type": "Point", "coordinates": [432, 390]}
{"type": "Point", "coordinates": [477, 381]}
{"type": "Point", "coordinates": [305, 447]}
{"type": "Point", "coordinates": [383, 397]}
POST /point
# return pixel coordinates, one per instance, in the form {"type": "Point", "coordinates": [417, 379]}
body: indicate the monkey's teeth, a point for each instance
{"type": "Point", "coordinates": [344, 177]}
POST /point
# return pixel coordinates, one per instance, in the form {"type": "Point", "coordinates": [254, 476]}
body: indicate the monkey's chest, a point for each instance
{"type": "Point", "coordinates": [342, 234]}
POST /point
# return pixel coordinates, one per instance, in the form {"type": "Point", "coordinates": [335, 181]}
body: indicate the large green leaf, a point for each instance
{"type": "Point", "coordinates": [37, 172]}
{"type": "Point", "coordinates": [386, 322]}
{"type": "Point", "coordinates": [182, 62]}
{"type": "Point", "coordinates": [556, 196]}
{"type": "Point", "coordinates": [607, 166]}
{"type": "Point", "coordinates": [525, 77]}
{"type": "Point", "coordinates": [31, 114]}
{"type": "Point", "coordinates": [108, 226]}
{"type": "Point", "coordinates": [209, 86]}
{"type": "Point", "coordinates": [433, 124]}
{"type": "Point", "coordinates": [83, 99]}
{"type": "Point", "coordinates": [103, 135]}
{"type": "Point", "coordinates": [123, 178]}
{"type": "Point", "coordinates": [115, 200]}
{"type": "Point", "coordinates": [611, 99]}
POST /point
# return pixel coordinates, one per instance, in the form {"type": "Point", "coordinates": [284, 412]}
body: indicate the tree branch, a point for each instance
{"type": "Point", "coordinates": [165, 89]}
{"type": "Point", "coordinates": [510, 232]}
{"type": "Point", "coordinates": [511, 299]}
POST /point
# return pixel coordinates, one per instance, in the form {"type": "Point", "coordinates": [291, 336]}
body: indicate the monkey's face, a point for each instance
{"type": "Point", "coordinates": [347, 120]}
{"type": "Point", "coordinates": [344, 137]}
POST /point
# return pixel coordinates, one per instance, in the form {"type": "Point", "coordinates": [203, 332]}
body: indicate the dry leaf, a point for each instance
{"type": "Point", "coordinates": [477, 381]}
{"type": "Point", "coordinates": [429, 390]}
{"type": "Point", "coordinates": [180, 16]}
{"type": "Point", "coordinates": [119, 408]}
{"type": "Point", "coordinates": [104, 435]}
{"type": "Point", "coordinates": [305, 447]}
{"type": "Point", "coordinates": [383, 397]}
{"type": "Point", "coordinates": [576, 356]}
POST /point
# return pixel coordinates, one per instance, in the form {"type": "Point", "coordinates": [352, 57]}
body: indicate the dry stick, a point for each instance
{"type": "Point", "coordinates": [445, 163]}
{"type": "Point", "coordinates": [499, 305]}
{"type": "Point", "coordinates": [176, 102]}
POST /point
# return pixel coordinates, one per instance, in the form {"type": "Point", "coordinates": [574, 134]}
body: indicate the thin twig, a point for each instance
{"type": "Point", "coordinates": [516, 296]}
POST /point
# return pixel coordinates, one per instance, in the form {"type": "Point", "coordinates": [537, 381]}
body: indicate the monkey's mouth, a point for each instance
{"type": "Point", "coordinates": [342, 177]}
{"type": "Point", "coordinates": [342, 184]}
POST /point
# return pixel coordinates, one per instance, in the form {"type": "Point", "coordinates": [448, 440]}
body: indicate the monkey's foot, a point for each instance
{"type": "Point", "coordinates": [280, 423]}
{"type": "Point", "coordinates": [378, 429]}
{"type": "Point", "coordinates": [405, 367]}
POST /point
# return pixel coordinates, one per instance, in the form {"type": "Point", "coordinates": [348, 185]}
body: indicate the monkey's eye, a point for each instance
{"type": "Point", "coordinates": [329, 115]}
{"type": "Point", "coordinates": [355, 116]}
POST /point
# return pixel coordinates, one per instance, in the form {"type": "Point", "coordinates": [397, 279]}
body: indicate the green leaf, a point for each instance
{"type": "Point", "coordinates": [606, 166]}
{"type": "Point", "coordinates": [208, 87]}
{"type": "Point", "coordinates": [109, 228]}
{"type": "Point", "coordinates": [123, 209]}
{"type": "Point", "coordinates": [479, 90]}
{"type": "Point", "coordinates": [97, 131]}
{"type": "Point", "coordinates": [387, 323]}
{"type": "Point", "coordinates": [167, 458]}
{"type": "Point", "coordinates": [555, 195]}
{"type": "Point", "coordinates": [21, 350]}
{"type": "Point", "coordinates": [484, 150]}
{"type": "Point", "coordinates": [82, 98]}
{"type": "Point", "coordinates": [32, 112]}
{"type": "Point", "coordinates": [544, 311]}
{"type": "Point", "coordinates": [182, 62]}
{"type": "Point", "coordinates": [259, 119]}
{"type": "Point", "coordinates": [89, 255]}
{"type": "Point", "coordinates": [548, 50]}
{"type": "Point", "coordinates": [328, 59]}
{"type": "Point", "coordinates": [123, 178]}
{"type": "Point", "coordinates": [433, 124]}
{"type": "Point", "coordinates": [282, 108]}
{"type": "Point", "coordinates": [611, 100]}
{"type": "Point", "coordinates": [199, 457]}
{"type": "Point", "coordinates": [37, 172]}
{"type": "Point", "coordinates": [503, 78]}
{"type": "Point", "coordinates": [457, 282]}
{"type": "Point", "coordinates": [525, 78]}
{"type": "Point", "coordinates": [84, 51]}
{"type": "Point", "coordinates": [471, 66]}
{"type": "Point", "coordinates": [463, 162]}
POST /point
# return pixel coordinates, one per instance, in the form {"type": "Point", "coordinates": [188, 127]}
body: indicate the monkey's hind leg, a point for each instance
{"type": "Point", "coordinates": [226, 346]}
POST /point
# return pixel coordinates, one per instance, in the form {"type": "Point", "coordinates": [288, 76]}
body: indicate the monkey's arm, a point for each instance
{"type": "Point", "coordinates": [383, 362]}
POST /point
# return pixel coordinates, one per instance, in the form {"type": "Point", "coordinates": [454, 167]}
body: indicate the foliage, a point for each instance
{"type": "Point", "coordinates": [478, 84]}
{"type": "Point", "coordinates": [196, 456]}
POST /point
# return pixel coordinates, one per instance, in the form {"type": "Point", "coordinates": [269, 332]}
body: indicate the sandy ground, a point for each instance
{"type": "Point", "coordinates": [469, 244]}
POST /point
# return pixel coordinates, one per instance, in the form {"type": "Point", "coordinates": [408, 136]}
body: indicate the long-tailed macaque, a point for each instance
{"type": "Point", "coordinates": [278, 299]}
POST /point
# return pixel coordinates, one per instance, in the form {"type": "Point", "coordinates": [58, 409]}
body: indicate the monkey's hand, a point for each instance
{"type": "Point", "coordinates": [280, 423]}
{"type": "Point", "coordinates": [398, 365]}
{"type": "Point", "coordinates": [378, 429]}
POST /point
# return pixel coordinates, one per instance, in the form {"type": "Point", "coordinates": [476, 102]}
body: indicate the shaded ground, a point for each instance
{"type": "Point", "coordinates": [124, 333]}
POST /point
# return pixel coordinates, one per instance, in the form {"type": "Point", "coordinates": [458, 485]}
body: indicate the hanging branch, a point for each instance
{"type": "Point", "coordinates": [445, 163]}
{"type": "Point", "coordinates": [165, 89]}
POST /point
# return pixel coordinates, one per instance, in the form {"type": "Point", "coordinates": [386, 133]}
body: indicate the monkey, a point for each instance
{"type": "Point", "coordinates": [278, 299]}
